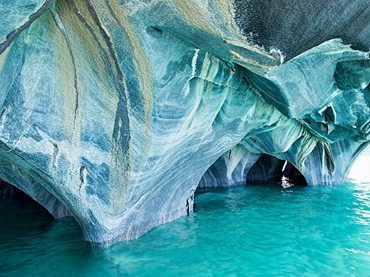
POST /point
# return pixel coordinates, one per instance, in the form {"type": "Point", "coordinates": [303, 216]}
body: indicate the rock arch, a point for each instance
{"type": "Point", "coordinates": [117, 110]}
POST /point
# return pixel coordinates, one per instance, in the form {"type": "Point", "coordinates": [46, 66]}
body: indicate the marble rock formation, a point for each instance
{"type": "Point", "coordinates": [115, 112]}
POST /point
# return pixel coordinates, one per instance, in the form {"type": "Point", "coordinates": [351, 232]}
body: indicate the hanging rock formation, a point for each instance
{"type": "Point", "coordinates": [115, 111]}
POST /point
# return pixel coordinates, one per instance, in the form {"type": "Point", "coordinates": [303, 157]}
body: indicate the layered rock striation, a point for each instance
{"type": "Point", "coordinates": [115, 112]}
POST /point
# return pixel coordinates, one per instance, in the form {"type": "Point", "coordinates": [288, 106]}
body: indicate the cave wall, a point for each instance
{"type": "Point", "coordinates": [116, 111]}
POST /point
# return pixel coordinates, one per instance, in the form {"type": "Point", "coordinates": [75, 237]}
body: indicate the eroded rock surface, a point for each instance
{"type": "Point", "coordinates": [115, 111]}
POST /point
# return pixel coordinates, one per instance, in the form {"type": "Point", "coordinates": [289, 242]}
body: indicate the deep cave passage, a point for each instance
{"type": "Point", "coordinates": [269, 169]}
{"type": "Point", "coordinates": [20, 198]}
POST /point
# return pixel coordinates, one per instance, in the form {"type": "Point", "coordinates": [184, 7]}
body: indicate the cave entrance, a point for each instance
{"type": "Point", "coordinates": [10, 193]}
{"type": "Point", "coordinates": [359, 170]}
{"type": "Point", "coordinates": [271, 170]}
{"type": "Point", "coordinates": [21, 216]}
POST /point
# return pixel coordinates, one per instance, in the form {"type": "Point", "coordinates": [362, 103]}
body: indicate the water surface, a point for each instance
{"type": "Point", "coordinates": [254, 230]}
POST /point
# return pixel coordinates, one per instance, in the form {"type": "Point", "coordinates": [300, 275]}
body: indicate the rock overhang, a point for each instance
{"type": "Point", "coordinates": [117, 111]}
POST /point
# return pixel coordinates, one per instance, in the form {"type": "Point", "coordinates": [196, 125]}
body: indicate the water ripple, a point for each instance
{"type": "Point", "coordinates": [260, 230]}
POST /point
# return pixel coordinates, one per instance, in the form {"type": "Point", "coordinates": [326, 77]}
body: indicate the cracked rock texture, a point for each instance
{"type": "Point", "coordinates": [115, 112]}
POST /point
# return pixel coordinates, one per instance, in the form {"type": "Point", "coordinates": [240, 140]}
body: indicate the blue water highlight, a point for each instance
{"type": "Point", "coordinates": [251, 230]}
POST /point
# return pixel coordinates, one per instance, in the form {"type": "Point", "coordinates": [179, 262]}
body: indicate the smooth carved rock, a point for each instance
{"type": "Point", "coordinates": [114, 111]}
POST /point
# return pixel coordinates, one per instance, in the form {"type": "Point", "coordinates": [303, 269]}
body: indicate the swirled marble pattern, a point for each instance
{"type": "Point", "coordinates": [116, 111]}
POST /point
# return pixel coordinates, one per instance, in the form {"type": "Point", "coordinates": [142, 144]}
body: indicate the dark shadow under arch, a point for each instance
{"type": "Point", "coordinates": [11, 193]}
{"type": "Point", "coordinates": [271, 170]}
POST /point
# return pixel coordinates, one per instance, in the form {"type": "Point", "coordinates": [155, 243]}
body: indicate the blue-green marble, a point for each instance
{"type": "Point", "coordinates": [116, 111]}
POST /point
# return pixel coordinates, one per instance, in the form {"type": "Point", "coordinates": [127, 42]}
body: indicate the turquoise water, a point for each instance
{"type": "Point", "coordinates": [255, 230]}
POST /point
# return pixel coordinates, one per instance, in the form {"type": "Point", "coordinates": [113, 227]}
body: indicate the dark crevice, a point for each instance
{"type": "Point", "coordinates": [154, 31]}
{"type": "Point", "coordinates": [329, 159]}
{"type": "Point", "coordinates": [271, 170]}
{"type": "Point", "coordinates": [18, 197]}
{"type": "Point", "coordinates": [83, 174]}
{"type": "Point", "coordinates": [293, 174]}
{"type": "Point", "coordinates": [190, 204]}
{"type": "Point", "coordinates": [121, 133]}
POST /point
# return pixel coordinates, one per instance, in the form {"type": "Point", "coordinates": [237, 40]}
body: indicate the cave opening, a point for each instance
{"type": "Point", "coordinates": [269, 170]}
{"type": "Point", "coordinates": [359, 170]}
{"type": "Point", "coordinates": [19, 199]}
{"type": "Point", "coordinates": [23, 218]}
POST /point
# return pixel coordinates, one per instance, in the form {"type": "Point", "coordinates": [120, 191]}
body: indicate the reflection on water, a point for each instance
{"type": "Point", "coordinates": [246, 230]}
{"type": "Point", "coordinates": [362, 204]}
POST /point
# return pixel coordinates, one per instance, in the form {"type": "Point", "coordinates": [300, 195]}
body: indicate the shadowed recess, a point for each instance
{"type": "Point", "coordinates": [11, 193]}
{"type": "Point", "coordinates": [269, 169]}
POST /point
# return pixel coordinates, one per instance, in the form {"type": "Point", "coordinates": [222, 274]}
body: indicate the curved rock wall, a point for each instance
{"type": "Point", "coordinates": [113, 111]}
